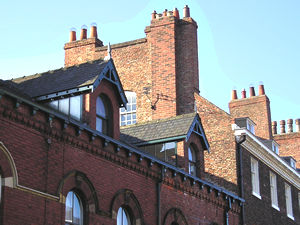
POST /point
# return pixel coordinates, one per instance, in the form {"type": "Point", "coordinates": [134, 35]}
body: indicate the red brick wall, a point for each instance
{"type": "Point", "coordinates": [220, 163]}
{"type": "Point", "coordinates": [45, 152]}
{"type": "Point", "coordinates": [257, 108]}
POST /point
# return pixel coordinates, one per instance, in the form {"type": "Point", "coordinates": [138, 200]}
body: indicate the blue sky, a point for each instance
{"type": "Point", "coordinates": [240, 42]}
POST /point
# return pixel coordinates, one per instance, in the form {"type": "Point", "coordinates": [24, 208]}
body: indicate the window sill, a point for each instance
{"type": "Point", "coordinates": [290, 216]}
{"type": "Point", "coordinates": [256, 195]}
{"type": "Point", "coordinates": [275, 207]}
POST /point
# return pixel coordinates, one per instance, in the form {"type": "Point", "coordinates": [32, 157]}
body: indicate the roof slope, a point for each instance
{"type": "Point", "coordinates": [157, 129]}
{"type": "Point", "coordinates": [61, 79]}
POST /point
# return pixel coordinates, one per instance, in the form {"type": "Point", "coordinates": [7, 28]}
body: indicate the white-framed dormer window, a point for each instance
{"type": "Point", "coordinates": [293, 163]}
{"type": "Point", "coordinates": [255, 178]}
{"type": "Point", "coordinates": [274, 194]}
{"type": "Point", "coordinates": [288, 201]}
{"type": "Point", "coordinates": [128, 116]}
{"type": "Point", "coordinates": [250, 126]}
{"type": "Point", "coordinates": [275, 148]}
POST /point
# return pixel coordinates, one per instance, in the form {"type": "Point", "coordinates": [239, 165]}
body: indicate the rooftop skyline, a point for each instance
{"type": "Point", "coordinates": [239, 43]}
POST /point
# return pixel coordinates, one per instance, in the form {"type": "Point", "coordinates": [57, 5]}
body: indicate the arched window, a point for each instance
{"type": "Point", "coordinates": [128, 116]}
{"type": "Point", "coordinates": [74, 209]}
{"type": "Point", "coordinates": [102, 114]}
{"type": "Point", "coordinates": [123, 217]}
{"type": "Point", "coordinates": [192, 161]}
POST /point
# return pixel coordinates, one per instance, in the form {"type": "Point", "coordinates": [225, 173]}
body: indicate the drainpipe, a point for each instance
{"type": "Point", "coordinates": [239, 141]}
{"type": "Point", "coordinates": [158, 190]}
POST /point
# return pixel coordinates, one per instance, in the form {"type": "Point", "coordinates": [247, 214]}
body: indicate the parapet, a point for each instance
{"type": "Point", "coordinates": [283, 124]}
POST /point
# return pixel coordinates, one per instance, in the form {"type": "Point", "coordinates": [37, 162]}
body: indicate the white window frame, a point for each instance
{"type": "Point", "coordinates": [250, 126]}
{"type": "Point", "coordinates": [288, 201]}
{"type": "Point", "coordinates": [255, 178]}
{"type": "Point", "coordinates": [129, 112]}
{"type": "Point", "coordinates": [273, 190]}
{"type": "Point", "coordinates": [275, 148]}
{"type": "Point", "coordinates": [67, 106]}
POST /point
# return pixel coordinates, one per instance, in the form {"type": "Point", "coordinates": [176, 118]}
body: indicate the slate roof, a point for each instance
{"type": "Point", "coordinates": [157, 129]}
{"type": "Point", "coordinates": [65, 78]}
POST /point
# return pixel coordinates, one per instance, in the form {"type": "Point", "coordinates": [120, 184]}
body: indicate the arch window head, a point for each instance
{"type": "Point", "coordinates": [74, 209]}
{"type": "Point", "coordinates": [192, 161]}
{"type": "Point", "coordinates": [123, 217]}
{"type": "Point", "coordinates": [128, 116]}
{"type": "Point", "coordinates": [102, 114]}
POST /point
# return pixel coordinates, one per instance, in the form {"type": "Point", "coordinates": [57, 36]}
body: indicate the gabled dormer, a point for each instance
{"type": "Point", "coordinates": [90, 93]}
{"type": "Point", "coordinates": [179, 141]}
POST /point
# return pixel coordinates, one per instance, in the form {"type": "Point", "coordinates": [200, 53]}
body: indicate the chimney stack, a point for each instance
{"type": "Point", "coordinates": [282, 126]}
{"type": "Point", "coordinates": [261, 89]}
{"type": "Point", "coordinates": [176, 13]}
{"type": "Point", "coordinates": [72, 34]}
{"type": "Point", "coordinates": [94, 31]}
{"type": "Point", "coordinates": [233, 95]}
{"type": "Point", "coordinates": [244, 93]}
{"type": "Point", "coordinates": [251, 91]}
{"type": "Point", "coordinates": [290, 125]}
{"type": "Point", "coordinates": [274, 127]}
{"type": "Point", "coordinates": [186, 11]}
{"type": "Point", "coordinates": [297, 125]}
{"type": "Point", "coordinates": [83, 33]}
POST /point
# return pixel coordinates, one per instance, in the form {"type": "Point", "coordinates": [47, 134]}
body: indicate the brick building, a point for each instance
{"type": "Point", "coordinates": [179, 160]}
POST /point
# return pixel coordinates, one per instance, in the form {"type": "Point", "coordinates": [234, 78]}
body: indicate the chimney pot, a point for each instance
{"type": "Point", "coordinates": [261, 89]}
{"type": "Point", "coordinates": [176, 13]}
{"type": "Point", "coordinates": [244, 93]}
{"type": "Point", "coordinates": [297, 121]}
{"type": "Point", "coordinates": [290, 125]}
{"type": "Point", "coordinates": [274, 127]}
{"type": "Point", "coordinates": [251, 91]}
{"type": "Point", "coordinates": [153, 15]}
{"type": "Point", "coordinates": [72, 34]}
{"type": "Point", "coordinates": [233, 95]}
{"type": "Point", "coordinates": [165, 12]}
{"type": "Point", "coordinates": [186, 11]}
{"type": "Point", "coordinates": [282, 126]}
{"type": "Point", "coordinates": [83, 33]}
{"type": "Point", "coordinates": [93, 31]}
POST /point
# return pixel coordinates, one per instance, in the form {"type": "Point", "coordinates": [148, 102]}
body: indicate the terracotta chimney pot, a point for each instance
{"type": "Point", "coordinates": [274, 127]}
{"type": "Point", "coordinates": [83, 33]}
{"type": "Point", "coordinates": [251, 91]}
{"type": "Point", "coordinates": [297, 121]}
{"type": "Point", "coordinates": [186, 11]}
{"type": "Point", "coordinates": [153, 15]}
{"type": "Point", "coordinates": [261, 89]}
{"type": "Point", "coordinates": [94, 31]}
{"type": "Point", "coordinates": [290, 125]}
{"type": "Point", "coordinates": [176, 13]}
{"type": "Point", "coordinates": [72, 35]}
{"type": "Point", "coordinates": [233, 95]}
{"type": "Point", "coordinates": [165, 12]}
{"type": "Point", "coordinates": [243, 93]}
{"type": "Point", "coordinates": [282, 126]}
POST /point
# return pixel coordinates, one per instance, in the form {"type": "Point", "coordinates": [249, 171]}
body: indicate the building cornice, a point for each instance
{"type": "Point", "coordinates": [272, 160]}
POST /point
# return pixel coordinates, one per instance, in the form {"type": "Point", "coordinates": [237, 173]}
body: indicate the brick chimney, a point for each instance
{"type": "Point", "coordinates": [257, 108]}
{"type": "Point", "coordinates": [80, 51]}
{"type": "Point", "coordinates": [174, 60]}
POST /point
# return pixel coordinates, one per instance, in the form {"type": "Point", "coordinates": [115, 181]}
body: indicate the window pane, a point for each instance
{"type": "Point", "coordinates": [69, 203]}
{"type": "Point", "coordinates": [100, 108]}
{"type": "Point", "coordinates": [134, 107]}
{"type": "Point", "coordinates": [75, 107]}
{"type": "Point", "coordinates": [54, 104]}
{"type": "Point", "coordinates": [99, 124]}
{"type": "Point", "coordinates": [63, 106]}
{"type": "Point", "coordinates": [76, 211]}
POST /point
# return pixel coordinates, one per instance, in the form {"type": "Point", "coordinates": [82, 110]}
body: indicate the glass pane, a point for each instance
{"type": "Point", "coordinates": [122, 109]}
{"type": "Point", "coordinates": [123, 118]}
{"type": "Point", "coordinates": [75, 107]}
{"type": "Point", "coordinates": [125, 220]}
{"type": "Point", "coordinates": [150, 149]}
{"type": "Point", "coordinates": [99, 124]}
{"type": "Point", "coordinates": [128, 116]}
{"type": "Point", "coordinates": [134, 107]}
{"type": "Point", "coordinates": [69, 203]}
{"type": "Point", "coordinates": [54, 104]}
{"type": "Point", "coordinates": [134, 116]}
{"type": "Point", "coordinates": [129, 108]}
{"type": "Point", "coordinates": [119, 216]}
{"type": "Point", "coordinates": [160, 151]}
{"type": "Point", "coordinates": [170, 153]}
{"type": "Point", "coordinates": [100, 107]}
{"type": "Point", "coordinates": [63, 106]}
{"type": "Point", "coordinates": [76, 211]}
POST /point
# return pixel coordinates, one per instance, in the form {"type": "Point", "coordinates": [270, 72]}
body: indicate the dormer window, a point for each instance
{"type": "Point", "coordinates": [103, 114]}
{"type": "Point", "coordinates": [128, 116]}
{"type": "Point", "coordinates": [293, 163]}
{"type": "Point", "coordinates": [245, 122]}
{"type": "Point", "coordinates": [192, 161]}
{"type": "Point", "coordinates": [71, 107]}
